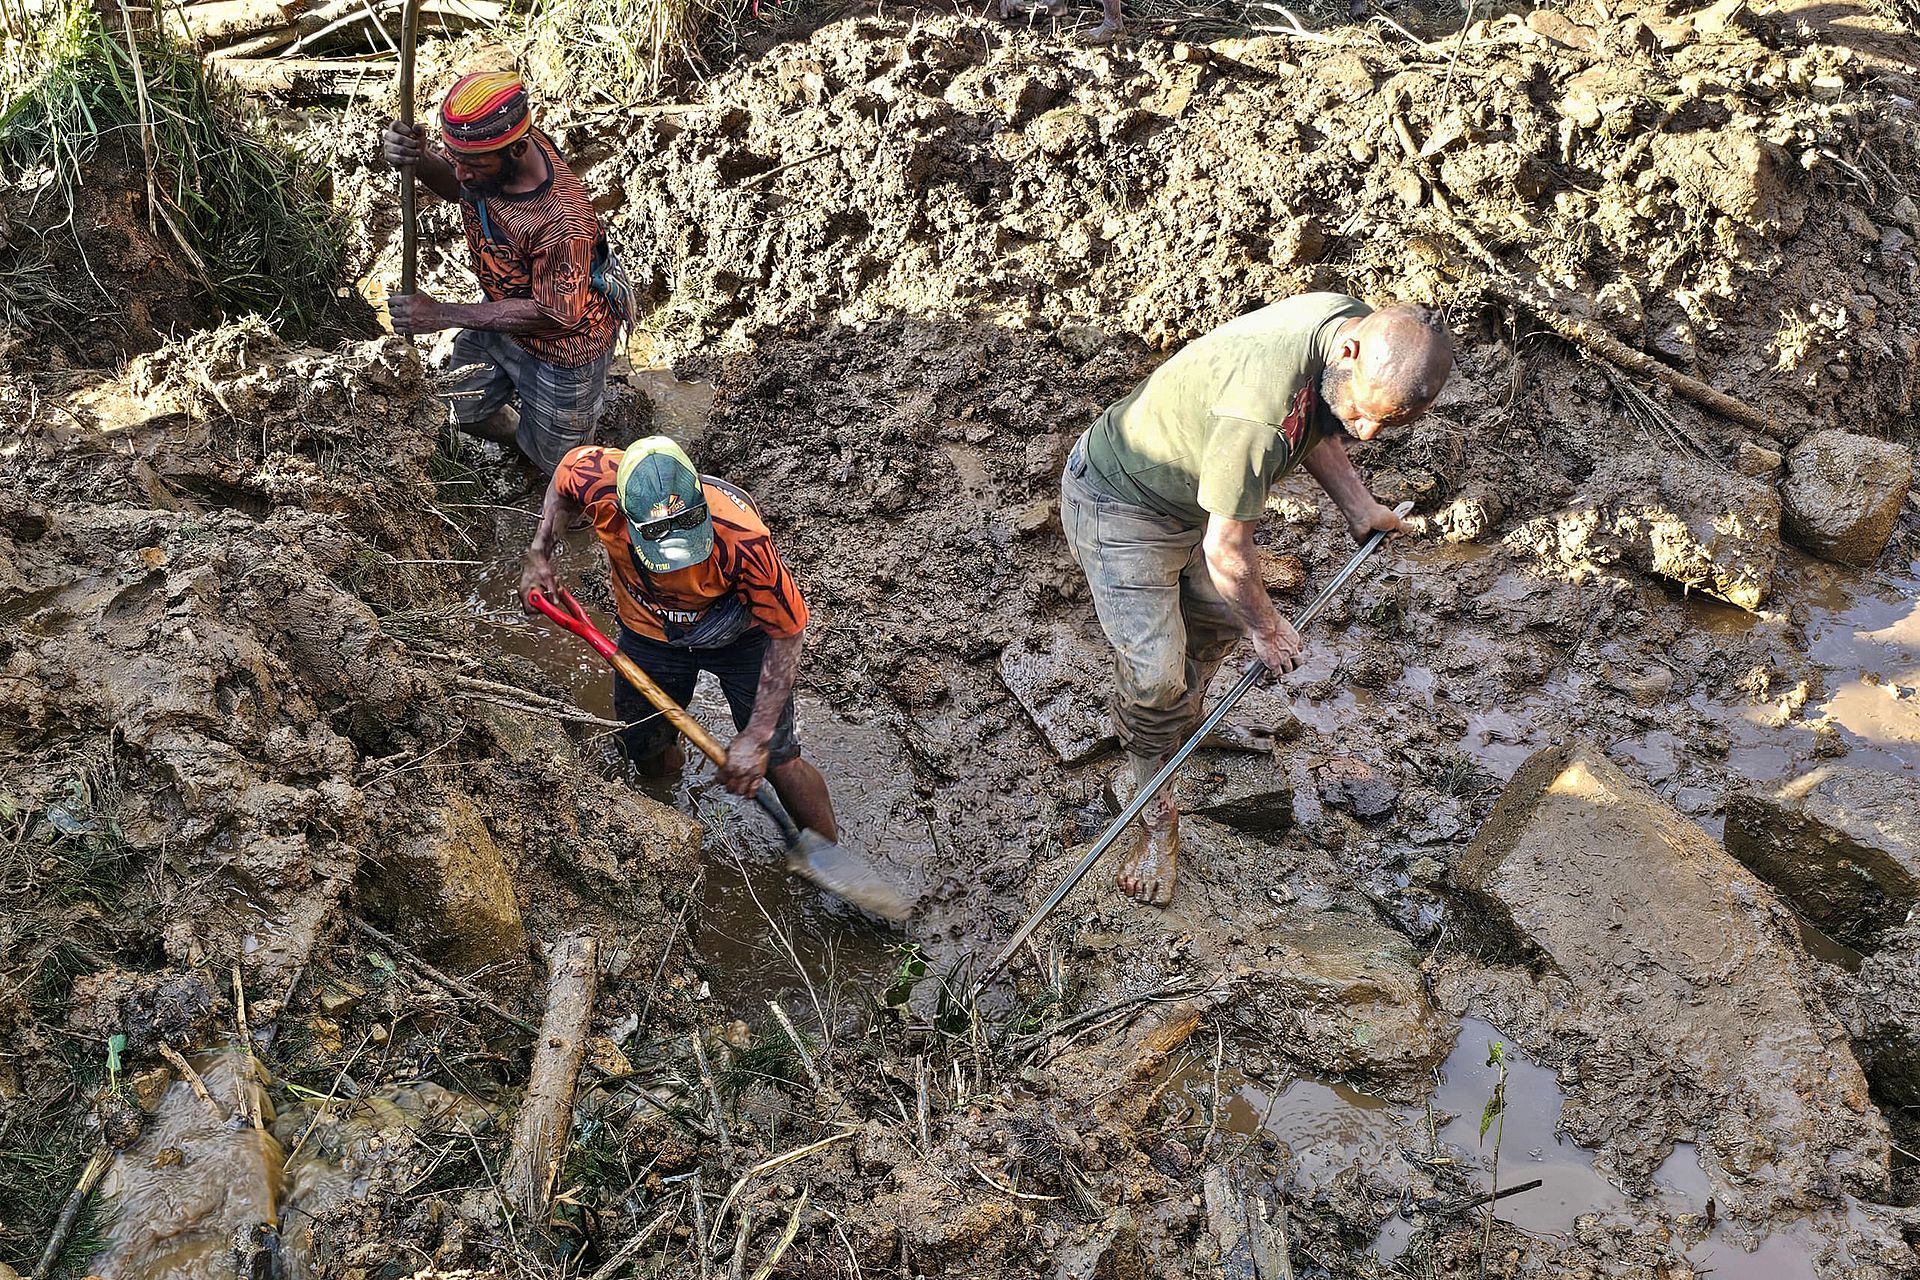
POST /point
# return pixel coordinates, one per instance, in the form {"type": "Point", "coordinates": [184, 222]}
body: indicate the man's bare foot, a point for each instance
{"type": "Point", "coordinates": [1149, 873]}
{"type": "Point", "coordinates": [1032, 8]}
{"type": "Point", "coordinates": [1106, 33]}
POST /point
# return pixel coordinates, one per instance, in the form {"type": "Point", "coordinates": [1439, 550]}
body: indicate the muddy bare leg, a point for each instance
{"type": "Point", "coordinates": [1150, 870]}
{"type": "Point", "coordinates": [501, 426]}
{"type": "Point", "coordinates": [1111, 27]}
{"type": "Point", "coordinates": [804, 792]}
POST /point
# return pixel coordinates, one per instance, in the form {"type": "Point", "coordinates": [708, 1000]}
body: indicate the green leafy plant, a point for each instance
{"type": "Point", "coordinates": [1493, 1116]}
{"type": "Point", "coordinates": [116, 1047]}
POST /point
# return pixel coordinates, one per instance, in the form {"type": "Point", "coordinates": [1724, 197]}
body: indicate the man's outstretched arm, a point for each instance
{"type": "Point", "coordinates": [1233, 563]}
{"type": "Point", "coordinates": [1329, 464]}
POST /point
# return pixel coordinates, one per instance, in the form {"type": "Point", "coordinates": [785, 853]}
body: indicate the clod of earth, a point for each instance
{"type": "Point", "coordinates": [1841, 844]}
{"type": "Point", "coordinates": [1677, 518]}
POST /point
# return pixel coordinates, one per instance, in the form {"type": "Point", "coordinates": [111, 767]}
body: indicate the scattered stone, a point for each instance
{"type": "Point", "coordinates": [1842, 844]}
{"type": "Point", "coordinates": [1282, 571]}
{"type": "Point", "coordinates": [1686, 984]}
{"type": "Point", "coordinates": [1842, 494]}
{"type": "Point", "coordinates": [1058, 675]}
{"type": "Point", "coordinates": [1040, 514]}
{"type": "Point", "coordinates": [1366, 791]}
{"type": "Point", "coordinates": [1471, 516]}
{"type": "Point", "coordinates": [1301, 242]}
{"type": "Point", "coordinates": [1646, 688]}
{"type": "Point", "coordinates": [919, 683]}
{"type": "Point", "coordinates": [1758, 461]}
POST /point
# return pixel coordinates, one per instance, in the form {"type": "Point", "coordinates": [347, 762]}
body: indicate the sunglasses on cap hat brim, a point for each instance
{"type": "Point", "coordinates": [654, 530]}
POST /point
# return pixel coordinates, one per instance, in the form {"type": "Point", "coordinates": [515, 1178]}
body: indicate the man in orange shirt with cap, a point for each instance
{"type": "Point", "coordinates": [698, 586]}
{"type": "Point", "coordinates": [556, 298]}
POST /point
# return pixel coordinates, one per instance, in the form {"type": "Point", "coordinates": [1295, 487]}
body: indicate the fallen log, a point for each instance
{"type": "Point", "coordinates": [546, 1113]}
{"type": "Point", "coordinates": [215, 22]}
{"type": "Point", "coordinates": [307, 79]}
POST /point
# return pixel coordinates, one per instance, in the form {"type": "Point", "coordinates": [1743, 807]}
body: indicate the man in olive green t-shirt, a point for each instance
{"type": "Point", "coordinates": [1162, 494]}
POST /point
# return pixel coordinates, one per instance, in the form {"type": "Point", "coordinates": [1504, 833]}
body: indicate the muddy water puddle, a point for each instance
{"type": "Point", "coordinates": [1324, 1128]}
{"type": "Point", "coordinates": [221, 1184]}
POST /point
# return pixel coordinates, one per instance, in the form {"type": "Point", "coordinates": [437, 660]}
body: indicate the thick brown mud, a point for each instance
{"type": "Point", "coordinates": [266, 686]}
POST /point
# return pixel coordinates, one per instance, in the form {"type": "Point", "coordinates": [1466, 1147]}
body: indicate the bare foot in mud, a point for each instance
{"type": "Point", "coordinates": [1032, 8]}
{"type": "Point", "coordinates": [1150, 871]}
{"type": "Point", "coordinates": [1106, 33]}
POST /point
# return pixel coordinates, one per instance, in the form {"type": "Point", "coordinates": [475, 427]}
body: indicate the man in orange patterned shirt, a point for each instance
{"type": "Point", "coordinates": [698, 586]}
{"type": "Point", "coordinates": [556, 298]}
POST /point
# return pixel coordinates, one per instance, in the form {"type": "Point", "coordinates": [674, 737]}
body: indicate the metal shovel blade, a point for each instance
{"type": "Point", "coordinates": [821, 862]}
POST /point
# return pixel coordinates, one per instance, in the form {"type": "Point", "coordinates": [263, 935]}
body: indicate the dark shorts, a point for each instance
{"type": "Point", "coordinates": [736, 666]}
{"type": "Point", "coordinates": [559, 407]}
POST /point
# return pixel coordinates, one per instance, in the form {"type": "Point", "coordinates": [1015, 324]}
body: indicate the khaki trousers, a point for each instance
{"type": "Point", "coordinates": [1169, 628]}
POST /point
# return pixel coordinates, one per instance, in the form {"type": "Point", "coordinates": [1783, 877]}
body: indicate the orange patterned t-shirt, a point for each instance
{"type": "Point", "coordinates": [744, 561]}
{"type": "Point", "coordinates": [542, 246]}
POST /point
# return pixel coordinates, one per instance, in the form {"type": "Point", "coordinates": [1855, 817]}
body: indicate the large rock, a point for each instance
{"type": "Point", "coordinates": [1059, 675]}
{"type": "Point", "coordinates": [1843, 492]}
{"type": "Point", "coordinates": [1889, 996]}
{"type": "Point", "coordinates": [1841, 844]}
{"type": "Point", "coordinates": [1698, 1017]}
{"type": "Point", "coordinates": [1684, 520]}
{"type": "Point", "coordinates": [1341, 994]}
{"type": "Point", "coordinates": [449, 885]}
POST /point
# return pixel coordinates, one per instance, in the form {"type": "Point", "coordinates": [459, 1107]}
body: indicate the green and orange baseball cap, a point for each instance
{"type": "Point", "coordinates": [665, 506]}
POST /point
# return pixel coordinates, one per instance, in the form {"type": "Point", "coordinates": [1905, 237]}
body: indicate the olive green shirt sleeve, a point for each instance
{"type": "Point", "coordinates": [1237, 459]}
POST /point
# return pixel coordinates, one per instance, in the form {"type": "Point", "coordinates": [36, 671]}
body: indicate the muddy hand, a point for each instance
{"type": "Point", "coordinates": [402, 143]}
{"type": "Point", "coordinates": [536, 574]}
{"type": "Point", "coordinates": [1279, 649]}
{"type": "Point", "coordinates": [746, 764]}
{"type": "Point", "coordinates": [414, 313]}
{"type": "Point", "coordinates": [1380, 519]}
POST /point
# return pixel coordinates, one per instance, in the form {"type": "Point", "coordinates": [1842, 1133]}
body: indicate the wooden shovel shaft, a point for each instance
{"type": "Point", "coordinates": [675, 713]}
{"type": "Point", "coordinates": [409, 238]}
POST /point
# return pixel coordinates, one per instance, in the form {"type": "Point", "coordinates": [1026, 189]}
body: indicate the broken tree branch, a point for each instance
{"type": "Point", "coordinates": [1609, 348]}
{"type": "Point", "coordinates": [447, 980]}
{"type": "Point", "coordinates": [546, 1113]}
{"type": "Point", "coordinates": [70, 1211]}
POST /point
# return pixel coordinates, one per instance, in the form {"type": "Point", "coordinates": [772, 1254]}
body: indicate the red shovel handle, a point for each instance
{"type": "Point", "coordinates": [574, 618]}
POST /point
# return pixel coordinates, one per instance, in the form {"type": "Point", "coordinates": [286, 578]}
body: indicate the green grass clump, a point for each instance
{"type": "Point", "coordinates": [250, 219]}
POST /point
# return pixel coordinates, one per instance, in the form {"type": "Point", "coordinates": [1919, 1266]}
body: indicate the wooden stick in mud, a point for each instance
{"type": "Point", "coordinates": [446, 980]}
{"type": "Point", "coordinates": [70, 1211]}
{"type": "Point", "coordinates": [546, 1113]}
{"type": "Point", "coordinates": [1615, 352]}
{"type": "Point", "coordinates": [194, 1082]}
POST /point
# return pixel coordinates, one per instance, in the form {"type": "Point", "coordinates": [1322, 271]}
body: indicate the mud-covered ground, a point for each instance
{"type": "Point", "coordinates": [265, 688]}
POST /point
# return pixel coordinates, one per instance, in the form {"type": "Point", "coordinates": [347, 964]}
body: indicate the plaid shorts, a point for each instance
{"type": "Point", "coordinates": [559, 407]}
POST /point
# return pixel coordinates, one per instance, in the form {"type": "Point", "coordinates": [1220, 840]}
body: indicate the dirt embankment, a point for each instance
{"type": "Point", "coordinates": [246, 700]}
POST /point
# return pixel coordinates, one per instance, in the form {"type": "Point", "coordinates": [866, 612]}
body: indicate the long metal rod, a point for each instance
{"type": "Point", "coordinates": [1247, 680]}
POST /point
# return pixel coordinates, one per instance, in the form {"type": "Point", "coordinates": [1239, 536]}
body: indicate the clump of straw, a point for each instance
{"type": "Point", "coordinates": [248, 217]}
